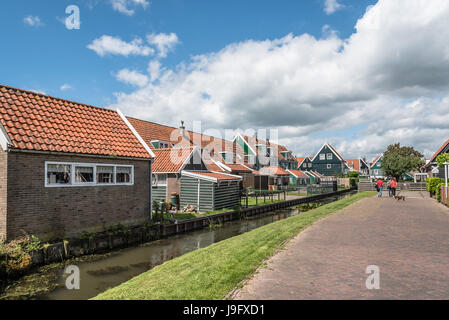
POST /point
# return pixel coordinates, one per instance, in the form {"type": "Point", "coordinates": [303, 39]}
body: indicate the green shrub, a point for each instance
{"type": "Point", "coordinates": [438, 191]}
{"type": "Point", "coordinates": [432, 184]}
{"type": "Point", "coordinates": [15, 256]}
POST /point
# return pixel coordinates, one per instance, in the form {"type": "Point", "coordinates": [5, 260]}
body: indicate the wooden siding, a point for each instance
{"type": "Point", "coordinates": [212, 196]}
{"type": "Point", "coordinates": [226, 196]}
{"type": "Point", "coordinates": [159, 193]}
{"type": "Point", "coordinates": [337, 166]}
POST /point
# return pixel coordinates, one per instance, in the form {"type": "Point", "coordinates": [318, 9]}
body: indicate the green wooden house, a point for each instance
{"type": "Point", "coordinates": [328, 161]}
{"type": "Point", "coordinates": [376, 170]}
{"type": "Point", "coordinates": [298, 177]}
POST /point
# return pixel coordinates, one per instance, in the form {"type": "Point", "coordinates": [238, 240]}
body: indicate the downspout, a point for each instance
{"type": "Point", "coordinates": [151, 189]}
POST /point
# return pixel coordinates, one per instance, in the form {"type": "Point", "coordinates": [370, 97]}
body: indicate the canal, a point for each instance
{"type": "Point", "coordinates": [101, 274]}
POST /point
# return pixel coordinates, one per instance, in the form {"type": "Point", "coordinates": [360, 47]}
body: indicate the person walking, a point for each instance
{"type": "Point", "coordinates": [389, 187]}
{"type": "Point", "coordinates": [393, 186]}
{"type": "Point", "coordinates": [380, 185]}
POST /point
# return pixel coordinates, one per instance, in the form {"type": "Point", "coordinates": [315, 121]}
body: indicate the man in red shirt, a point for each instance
{"type": "Point", "coordinates": [380, 185]}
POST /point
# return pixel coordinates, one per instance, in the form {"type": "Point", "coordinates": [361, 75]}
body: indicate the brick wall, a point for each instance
{"type": "Point", "coordinates": [64, 212]}
{"type": "Point", "coordinates": [173, 185]}
{"type": "Point", "coordinates": [3, 193]}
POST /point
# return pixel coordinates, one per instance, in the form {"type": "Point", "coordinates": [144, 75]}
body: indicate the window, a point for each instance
{"type": "Point", "coordinates": [329, 156]}
{"type": "Point", "coordinates": [159, 144]}
{"type": "Point", "coordinates": [58, 174]}
{"type": "Point", "coordinates": [322, 156]}
{"type": "Point", "coordinates": [123, 174]}
{"type": "Point", "coordinates": [160, 180]}
{"type": "Point", "coordinates": [329, 166]}
{"type": "Point", "coordinates": [84, 174]}
{"type": "Point", "coordinates": [87, 174]}
{"type": "Point", "coordinates": [310, 165]}
{"type": "Point", "coordinates": [105, 174]}
{"type": "Point", "coordinates": [376, 172]}
{"type": "Point", "coordinates": [305, 165]}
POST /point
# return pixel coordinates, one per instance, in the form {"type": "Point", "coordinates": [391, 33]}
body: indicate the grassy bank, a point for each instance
{"type": "Point", "coordinates": [212, 272]}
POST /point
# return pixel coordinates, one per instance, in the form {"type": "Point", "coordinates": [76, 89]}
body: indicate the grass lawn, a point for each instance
{"type": "Point", "coordinates": [212, 272]}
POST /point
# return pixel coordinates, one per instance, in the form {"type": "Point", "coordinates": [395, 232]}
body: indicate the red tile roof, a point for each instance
{"type": "Point", "coordinates": [170, 160]}
{"type": "Point", "coordinates": [300, 160]}
{"type": "Point", "coordinates": [237, 167]}
{"type": "Point", "coordinates": [42, 123]}
{"type": "Point", "coordinates": [298, 173]}
{"type": "Point", "coordinates": [273, 171]}
{"type": "Point", "coordinates": [354, 163]}
{"type": "Point", "coordinates": [218, 176]}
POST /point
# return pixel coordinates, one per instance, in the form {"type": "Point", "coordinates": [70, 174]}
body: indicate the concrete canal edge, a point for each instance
{"type": "Point", "coordinates": [106, 241]}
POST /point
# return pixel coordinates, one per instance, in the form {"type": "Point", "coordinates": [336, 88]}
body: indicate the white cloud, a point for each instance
{"type": "Point", "coordinates": [331, 6]}
{"type": "Point", "coordinates": [155, 70]}
{"type": "Point", "coordinates": [387, 82]}
{"type": "Point", "coordinates": [33, 21]}
{"type": "Point", "coordinates": [132, 77]}
{"type": "Point", "coordinates": [164, 42]}
{"type": "Point", "coordinates": [127, 7]}
{"type": "Point", "coordinates": [65, 87]}
{"type": "Point", "coordinates": [113, 45]}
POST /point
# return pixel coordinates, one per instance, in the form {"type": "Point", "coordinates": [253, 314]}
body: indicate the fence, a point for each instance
{"type": "Point", "coordinates": [412, 186]}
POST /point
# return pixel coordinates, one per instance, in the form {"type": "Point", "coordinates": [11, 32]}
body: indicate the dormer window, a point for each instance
{"type": "Point", "coordinates": [160, 144]}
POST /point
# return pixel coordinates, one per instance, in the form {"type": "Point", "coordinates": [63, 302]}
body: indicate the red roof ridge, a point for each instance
{"type": "Point", "coordinates": [56, 98]}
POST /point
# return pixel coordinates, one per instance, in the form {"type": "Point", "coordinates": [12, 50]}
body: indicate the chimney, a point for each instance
{"type": "Point", "coordinates": [183, 129]}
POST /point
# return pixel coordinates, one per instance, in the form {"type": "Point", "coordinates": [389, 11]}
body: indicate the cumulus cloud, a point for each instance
{"type": "Point", "coordinates": [330, 6]}
{"type": "Point", "coordinates": [33, 21]}
{"type": "Point", "coordinates": [115, 46]}
{"type": "Point", "coordinates": [127, 7]}
{"type": "Point", "coordinates": [132, 77]}
{"type": "Point", "coordinates": [387, 82]}
{"type": "Point", "coordinates": [164, 42]}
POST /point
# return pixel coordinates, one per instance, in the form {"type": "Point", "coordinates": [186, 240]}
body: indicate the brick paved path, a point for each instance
{"type": "Point", "coordinates": [408, 241]}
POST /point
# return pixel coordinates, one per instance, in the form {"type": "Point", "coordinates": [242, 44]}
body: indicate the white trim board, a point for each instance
{"type": "Point", "coordinates": [136, 134]}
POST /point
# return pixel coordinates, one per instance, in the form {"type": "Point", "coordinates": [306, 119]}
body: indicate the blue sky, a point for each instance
{"type": "Point", "coordinates": [244, 64]}
{"type": "Point", "coordinates": [47, 56]}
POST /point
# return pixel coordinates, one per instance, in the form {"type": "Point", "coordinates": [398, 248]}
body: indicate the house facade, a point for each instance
{"type": "Point", "coordinates": [358, 165]}
{"type": "Point", "coordinates": [305, 163]}
{"type": "Point", "coordinates": [67, 167]}
{"type": "Point", "coordinates": [431, 168]}
{"type": "Point", "coordinates": [376, 170]}
{"type": "Point", "coordinates": [328, 161]}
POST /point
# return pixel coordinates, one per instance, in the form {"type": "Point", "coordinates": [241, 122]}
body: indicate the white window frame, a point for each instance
{"type": "Point", "coordinates": [329, 166]}
{"type": "Point", "coordinates": [158, 184]}
{"type": "Point", "coordinates": [310, 164]}
{"type": "Point", "coordinates": [329, 156]}
{"type": "Point", "coordinates": [322, 156]}
{"type": "Point", "coordinates": [74, 184]}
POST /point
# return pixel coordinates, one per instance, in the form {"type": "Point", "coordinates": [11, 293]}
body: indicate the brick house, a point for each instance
{"type": "Point", "coordinates": [67, 167]}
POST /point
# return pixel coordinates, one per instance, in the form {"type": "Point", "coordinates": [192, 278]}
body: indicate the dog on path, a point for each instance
{"type": "Point", "coordinates": [399, 197]}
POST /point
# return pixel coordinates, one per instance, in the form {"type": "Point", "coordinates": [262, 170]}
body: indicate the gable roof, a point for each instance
{"type": "Point", "coordinates": [171, 160]}
{"type": "Point", "coordinates": [332, 149]}
{"type": "Point", "coordinates": [375, 160]}
{"type": "Point", "coordinates": [300, 160]}
{"type": "Point", "coordinates": [436, 154]}
{"type": "Point", "coordinates": [355, 164]}
{"type": "Point", "coordinates": [37, 122]}
{"type": "Point", "coordinates": [298, 173]}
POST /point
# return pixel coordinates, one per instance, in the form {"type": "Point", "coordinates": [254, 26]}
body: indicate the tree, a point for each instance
{"type": "Point", "coordinates": [398, 160]}
{"type": "Point", "coordinates": [442, 158]}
